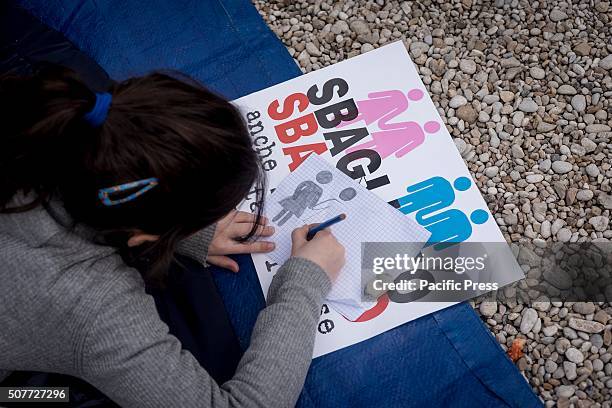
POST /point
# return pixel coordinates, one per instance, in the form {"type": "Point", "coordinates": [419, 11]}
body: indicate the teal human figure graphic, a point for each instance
{"type": "Point", "coordinates": [428, 197]}
{"type": "Point", "coordinates": [460, 184]}
{"type": "Point", "coordinates": [451, 227]}
{"type": "Point", "coordinates": [431, 195]}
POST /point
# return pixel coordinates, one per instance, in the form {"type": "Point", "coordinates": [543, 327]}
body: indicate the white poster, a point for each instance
{"type": "Point", "coordinates": [372, 118]}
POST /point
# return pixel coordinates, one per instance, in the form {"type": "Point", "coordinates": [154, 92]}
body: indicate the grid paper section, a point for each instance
{"type": "Point", "coordinates": [317, 191]}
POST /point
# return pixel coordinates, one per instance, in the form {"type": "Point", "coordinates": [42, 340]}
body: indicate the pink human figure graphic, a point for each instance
{"type": "Point", "coordinates": [383, 106]}
{"type": "Point", "coordinates": [400, 140]}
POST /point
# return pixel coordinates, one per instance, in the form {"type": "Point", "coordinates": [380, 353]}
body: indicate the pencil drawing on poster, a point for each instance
{"type": "Point", "coordinates": [307, 195]}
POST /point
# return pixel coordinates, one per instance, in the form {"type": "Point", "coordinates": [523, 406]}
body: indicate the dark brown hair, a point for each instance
{"type": "Point", "coordinates": [159, 125]}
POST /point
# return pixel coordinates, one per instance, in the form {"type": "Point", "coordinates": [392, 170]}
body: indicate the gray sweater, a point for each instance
{"type": "Point", "coordinates": [71, 306]}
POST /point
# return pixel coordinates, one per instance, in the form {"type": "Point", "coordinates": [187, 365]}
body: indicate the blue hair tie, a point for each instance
{"type": "Point", "coordinates": [97, 115]}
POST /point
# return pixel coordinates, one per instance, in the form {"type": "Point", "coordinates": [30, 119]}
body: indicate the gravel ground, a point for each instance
{"type": "Point", "coordinates": [525, 88]}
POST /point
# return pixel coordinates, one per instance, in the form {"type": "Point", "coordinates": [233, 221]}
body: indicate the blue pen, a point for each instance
{"type": "Point", "coordinates": [323, 225]}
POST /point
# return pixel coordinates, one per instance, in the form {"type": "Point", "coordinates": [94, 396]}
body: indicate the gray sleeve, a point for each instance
{"type": "Point", "coordinates": [129, 355]}
{"type": "Point", "coordinates": [196, 246]}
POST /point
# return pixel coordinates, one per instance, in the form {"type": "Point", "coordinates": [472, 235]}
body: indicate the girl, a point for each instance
{"type": "Point", "coordinates": [93, 184]}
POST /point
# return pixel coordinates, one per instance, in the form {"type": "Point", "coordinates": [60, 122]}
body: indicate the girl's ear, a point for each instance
{"type": "Point", "coordinates": [140, 238]}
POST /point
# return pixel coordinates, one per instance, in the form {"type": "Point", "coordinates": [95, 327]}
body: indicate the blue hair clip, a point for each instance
{"type": "Point", "coordinates": [146, 184]}
{"type": "Point", "coordinates": [97, 115]}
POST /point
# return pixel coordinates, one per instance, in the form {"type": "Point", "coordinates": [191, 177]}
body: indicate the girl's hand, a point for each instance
{"type": "Point", "coordinates": [324, 250]}
{"type": "Point", "coordinates": [231, 227]}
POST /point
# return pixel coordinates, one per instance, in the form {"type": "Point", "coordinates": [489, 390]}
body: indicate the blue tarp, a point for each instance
{"type": "Point", "coordinates": [445, 359]}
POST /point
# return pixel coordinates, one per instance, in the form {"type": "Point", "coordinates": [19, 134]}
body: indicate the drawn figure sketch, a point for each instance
{"type": "Point", "coordinates": [348, 194]}
{"type": "Point", "coordinates": [306, 195]}
{"type": "Point", "coordinates": [317, 191]}
{"type": "Point", "coordinates": [345, 195]}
